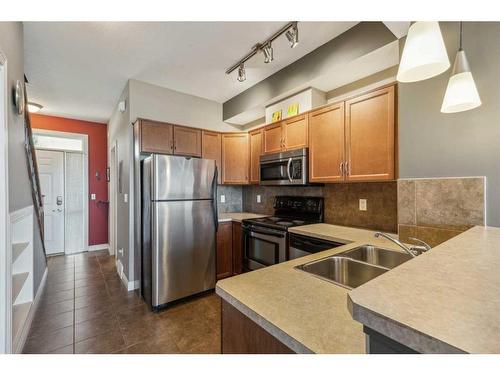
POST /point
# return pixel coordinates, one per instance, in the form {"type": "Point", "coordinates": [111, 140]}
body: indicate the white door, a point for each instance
{"type": "Point", "coordinates": [51, 170]}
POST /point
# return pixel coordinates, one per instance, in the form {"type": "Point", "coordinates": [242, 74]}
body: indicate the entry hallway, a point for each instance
{"type": "Point", "coordinates": [86, 309]}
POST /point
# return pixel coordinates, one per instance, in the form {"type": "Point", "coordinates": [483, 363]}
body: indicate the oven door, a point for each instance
{"type": "Point", "coordinates": [288, 171]}
{"type": "Point", "coordinates": [262, 247]}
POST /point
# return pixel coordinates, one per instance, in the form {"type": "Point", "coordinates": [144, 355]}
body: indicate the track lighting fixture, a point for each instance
{"type": "Point", "coordinates": [241, 73]}
{"type": "Point", "coordinates": [293, 35]}
{"type": "Point", "coordinates": [267, 50]}
{"type": "Point", "coordinates": [291, 32]}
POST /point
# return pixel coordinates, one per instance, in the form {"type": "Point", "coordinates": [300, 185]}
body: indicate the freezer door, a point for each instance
{"type": "Point", "coordinates": [183, 249]}
{"type": "Point", "coordinates": [179, 177]}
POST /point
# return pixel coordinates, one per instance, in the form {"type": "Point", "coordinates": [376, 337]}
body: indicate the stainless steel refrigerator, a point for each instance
{"type": "Point", "coordinates": [179, 224]}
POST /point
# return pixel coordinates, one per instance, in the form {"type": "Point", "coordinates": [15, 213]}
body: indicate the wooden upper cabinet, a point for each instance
{"type": "Point", "coordinates": [255, 152]}
{"type": "Point", "coordinates": [370, 136]}
{"type": "Point", "coordinates": [326, 144]}
{"type": "Point", "coordinates": [187, 141]}
{"type": "Point", "coordinates": [235, 166]}
{"type": "Point", "coordinates": [156, 137]}
{"type": "Point", "coordinates": [295, 132]}
{"type": "Point", "coordinates": [273, 138]}
{"type": "Point", "coordinates": [212, 149]}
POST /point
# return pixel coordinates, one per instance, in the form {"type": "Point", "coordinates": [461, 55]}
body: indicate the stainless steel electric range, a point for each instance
{"type": "Point", "coordinates": [265, 240]}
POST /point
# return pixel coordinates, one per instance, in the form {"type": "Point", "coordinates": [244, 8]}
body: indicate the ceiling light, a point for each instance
{"type": "Point", "coordinates": [424, 55]}
{"type": "Point", "coordinates": [34, 107]}
{"type": "Point", "coordinates": [293, 35]}
{"type": "Point", "coordinates": [461, 93]}
{"type": "Point", "coordinates": [267, 50]}
{"type": "Point", "coordinates": [241, 73]}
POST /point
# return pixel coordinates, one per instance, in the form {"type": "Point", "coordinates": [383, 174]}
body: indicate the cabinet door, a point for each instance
{"type": "Point", "coordinates": [273, 138]}
{"type": "Point", "coordinates": [237, 249]}
{"type": "Point", "coordinates": [212, 149]}
{"type": "Point", "coordinates": [235, 158]}
{"type": "Point", "coordinates": [370, 136]}
{"type": "Point", "coordinates": [224, 250]}
{"type": "Point", "coordinates": [295, 132]}
{"type": "Point", "coordinates": [255, 152]}
{"type": "Point", "coordinates": [187, 141]}
{"type": "Point", "coordinates": [326, 144]}
{"type": "Point", "coordinates": [156, 137]}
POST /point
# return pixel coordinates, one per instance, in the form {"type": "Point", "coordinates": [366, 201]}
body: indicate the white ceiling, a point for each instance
{"type": "Point", "coordinates": [79, 69]}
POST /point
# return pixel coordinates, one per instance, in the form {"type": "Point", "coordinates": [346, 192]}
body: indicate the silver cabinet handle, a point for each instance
{"type": "Point", "coordinates": [347, 168]}
{"type": "Point", "coordinates": [341, 167]}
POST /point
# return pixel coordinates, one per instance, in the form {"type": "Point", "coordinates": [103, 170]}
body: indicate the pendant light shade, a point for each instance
{"type": "Point", "coordinates": [461, 93]}
{"type": "Point", "coordinates": [424, 55]}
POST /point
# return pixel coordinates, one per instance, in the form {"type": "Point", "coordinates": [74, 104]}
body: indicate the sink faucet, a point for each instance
{"type": "Point", "coordinates": [397, 242]}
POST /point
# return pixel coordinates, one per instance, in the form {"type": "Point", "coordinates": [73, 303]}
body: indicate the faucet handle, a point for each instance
{"type": "Point", "coordinates": [424, 244]}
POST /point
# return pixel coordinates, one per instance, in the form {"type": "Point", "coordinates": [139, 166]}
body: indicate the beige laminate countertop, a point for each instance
{"type": "Point", "coordinates": [237, 216]}
{"type": "Point", "coordinates": [444, 301]}
{"type": "Point", "coordinates": [306, 313]}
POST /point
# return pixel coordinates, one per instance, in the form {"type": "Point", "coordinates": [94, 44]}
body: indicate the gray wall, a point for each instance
{"type": "Point", "coordinates": [162, 104]}
{"type": "Point", "coordinates": [433, 144]}
{"type": "Point", "coordinates": [11, 43]}
{"type": "Point", "coordinates": [120, 134]}
{"type": "Point", "coordinates": [156, 103]}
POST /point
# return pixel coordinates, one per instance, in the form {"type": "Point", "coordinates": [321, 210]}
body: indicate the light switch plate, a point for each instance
{"type": "Point", "coordinates": [258, 198]}
{"type": "Point", "coordinates": [92, 197]}
{"type": "Point", "coordinates": [362, 204]}
{"type": "Point", "coordinates": [125, 197]}
{"type": "Point", "coordinates": [223, 198]}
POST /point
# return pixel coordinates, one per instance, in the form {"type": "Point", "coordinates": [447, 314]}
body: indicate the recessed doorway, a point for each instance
{"type": "Point", "coordinates": [63, 169]}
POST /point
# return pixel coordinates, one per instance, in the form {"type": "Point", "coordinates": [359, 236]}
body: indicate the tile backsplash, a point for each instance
{"type": "Point", "coordinates": [437, 209]}
{"type": "Point", "coordinates": [233, 196]}
{"type": "Point", "coordinates": [341, 202]}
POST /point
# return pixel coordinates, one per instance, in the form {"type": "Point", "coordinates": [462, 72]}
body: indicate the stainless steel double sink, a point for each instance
{"type": "Point", "coordinates": [355, 267]}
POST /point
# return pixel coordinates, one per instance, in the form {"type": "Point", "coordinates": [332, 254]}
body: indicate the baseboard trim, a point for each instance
{"type": "Point", "coordinates": [29, 320]}
{"type": "Point", "coordinates": [130, 285]}
{"type": "Point", "coordinates": [102, 246]}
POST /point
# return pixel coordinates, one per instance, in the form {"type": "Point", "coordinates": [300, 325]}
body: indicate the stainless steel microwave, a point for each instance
{"type": "Point", "coordinates": [284, 168]}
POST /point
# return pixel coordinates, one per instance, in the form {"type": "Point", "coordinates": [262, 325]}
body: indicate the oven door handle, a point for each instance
{"type": "Point", "coordinates": [288, 170]}
{"type": "Point", "coordinates": [264, 232]}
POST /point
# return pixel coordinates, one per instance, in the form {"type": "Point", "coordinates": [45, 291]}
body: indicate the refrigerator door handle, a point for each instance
{"type": "Point", "coordinates": [214, 201]}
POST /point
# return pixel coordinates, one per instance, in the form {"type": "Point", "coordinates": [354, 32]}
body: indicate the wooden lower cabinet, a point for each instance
{"type": "Point", "coordinates": [241, 335]}
{"type": "Point", "coordinates": [224, 250]}
{"type": "Point", "coordinates": [229, 250]}
{"type": "Point", "coordinates": [237, 249]}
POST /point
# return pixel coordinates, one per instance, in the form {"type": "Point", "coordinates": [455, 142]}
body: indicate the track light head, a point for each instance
{"type": "Point", "coordinates": [267, 50]}
{"type": "Point", "coordinates": [241, 73]}
{"type": "Point", "coordinates": [293, 35]}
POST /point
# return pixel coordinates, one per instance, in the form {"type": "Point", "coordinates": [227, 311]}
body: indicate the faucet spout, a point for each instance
{"type": "Point", "coordinates": [397, 242]}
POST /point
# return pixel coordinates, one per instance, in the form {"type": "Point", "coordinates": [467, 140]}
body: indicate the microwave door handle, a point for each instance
{"type": "Point", "coordinates": [288, 170]}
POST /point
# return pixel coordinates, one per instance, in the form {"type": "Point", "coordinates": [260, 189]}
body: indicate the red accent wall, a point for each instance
{"type": "Point", "coordinates": [98, 162]}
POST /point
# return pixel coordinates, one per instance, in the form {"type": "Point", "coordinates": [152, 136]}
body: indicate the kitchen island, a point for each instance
{"type": "Point", "coordinates": [302, 312]}
{"type": "Point", "coordinates": [444, 301]}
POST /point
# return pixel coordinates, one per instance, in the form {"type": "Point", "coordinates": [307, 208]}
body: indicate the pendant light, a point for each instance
{"type": "Point", "coordinates": [424, 55]}
{"type": "Point", "coordinates": [461, 93]}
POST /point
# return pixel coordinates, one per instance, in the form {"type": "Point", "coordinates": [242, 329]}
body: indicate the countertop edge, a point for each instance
{"type": "Point", "coordinates": [270, 328]}
{"type": "Point", "coordinates": [401, 333]}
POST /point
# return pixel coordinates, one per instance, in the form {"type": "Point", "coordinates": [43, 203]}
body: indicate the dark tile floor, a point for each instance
{"type": "Point", "coordinates": [85, 308]}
